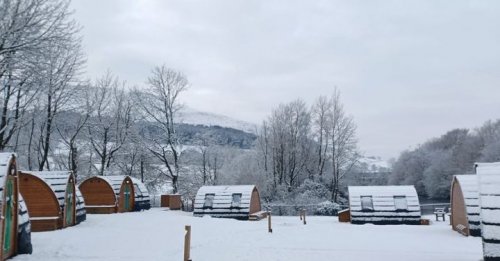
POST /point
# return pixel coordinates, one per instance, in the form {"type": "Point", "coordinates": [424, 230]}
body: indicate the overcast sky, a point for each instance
{"type": "Point", "coordinates": [407, 70]}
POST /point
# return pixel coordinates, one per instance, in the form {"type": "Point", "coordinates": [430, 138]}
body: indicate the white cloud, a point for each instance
{"type": "Point", "coordinates": [408, 70]}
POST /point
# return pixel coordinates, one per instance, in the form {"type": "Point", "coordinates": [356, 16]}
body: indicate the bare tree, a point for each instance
{"type": "Point", "coordinates": [61, 63]}
{"type": "Point", "coordinates": [160, 105]}
{"type": "Point", "coordinates": [72, 128]}
{"type": "Point", "coordinates": [321, 116]}
{"type": "Point", "coordinates": [210, 163]}
{"type": "Point", "coordinates": [110, 109]}
{"type": "Point", "coordinates": [288, 142]}
{"type": "Point", "coordinates": [26, 29]}
{"type": "Point", "coordinates": [343, 143]}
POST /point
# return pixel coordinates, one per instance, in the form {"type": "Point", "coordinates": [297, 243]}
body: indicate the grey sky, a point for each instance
{"type": "Point", "coordinates": [407, 70]}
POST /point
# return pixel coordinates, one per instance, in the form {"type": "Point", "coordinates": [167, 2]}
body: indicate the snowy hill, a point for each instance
{"type": "Point", "coordinates": [190, 116]}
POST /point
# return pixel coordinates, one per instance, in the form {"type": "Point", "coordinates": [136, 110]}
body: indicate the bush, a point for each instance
{"type": "Point", "coordinates": [327, 208]}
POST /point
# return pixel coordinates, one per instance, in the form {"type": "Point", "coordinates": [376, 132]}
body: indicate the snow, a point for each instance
{"type": "Point", "coordinates": [223, 200]}
{"type": "Point", "coordinates": [158, 234]}
{"type": "Point", "coordinates": [190, 116]}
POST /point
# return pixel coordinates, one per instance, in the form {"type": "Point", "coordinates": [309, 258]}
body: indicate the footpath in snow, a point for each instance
{"type": "Point", "coordinates": [158, 234]}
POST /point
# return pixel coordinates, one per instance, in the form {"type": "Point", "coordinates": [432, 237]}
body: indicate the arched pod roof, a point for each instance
{"type": "Point", "coordinates": [470, 189]}
{"type": "Point", "coordinates": [141, 197]}
{"type": "Point", "coordinates": [222, 205]}
{"type": "Point", "coordinates": [384, 205]}
{"type": "Point", "coordinates": [56, 180]}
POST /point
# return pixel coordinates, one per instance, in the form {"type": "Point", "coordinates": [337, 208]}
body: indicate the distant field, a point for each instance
{"type": "Point", "coordinates": [158, 234]}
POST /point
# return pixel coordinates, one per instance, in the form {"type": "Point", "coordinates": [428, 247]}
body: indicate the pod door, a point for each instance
{"type": "Point", "coordinates": [128, 197]}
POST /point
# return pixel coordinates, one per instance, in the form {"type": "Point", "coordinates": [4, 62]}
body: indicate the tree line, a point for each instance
{"type": "Point", "coordinates": [431, 166]}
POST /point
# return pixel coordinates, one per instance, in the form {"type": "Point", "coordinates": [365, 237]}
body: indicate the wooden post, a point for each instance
{"type": "Point", "coordinates": [269, 228]}
{"type": "Point", "coordinates": [304, 216]}
{"type": "Point", "coordinates": [187, 244]}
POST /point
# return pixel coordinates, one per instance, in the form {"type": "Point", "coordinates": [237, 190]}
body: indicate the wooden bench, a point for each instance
{"type": "Point", "coordinates": [440, 213]}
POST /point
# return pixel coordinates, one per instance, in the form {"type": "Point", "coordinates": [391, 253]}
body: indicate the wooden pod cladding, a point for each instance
{"type": "Point", "coordinates": [384, 205]}
{"type": "Point", "coordinates": [489, 193]}
{"type": "Point", "coordinates": [227, 201]}
{"type": "Point", "coordinates": [51, 197]}
{"type": "Point", "coordinates": [112, 194]}
{"type": "Point", "coordinates": [465, 209]}
{"type": "Point", "coordinates": [10, 225]}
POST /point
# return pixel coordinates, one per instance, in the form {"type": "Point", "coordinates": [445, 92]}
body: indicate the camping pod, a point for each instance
{"type": "Point", "coordinates": [489, 198]}
{"type": "Point", "coordinates": [111, 194]}
{"type": "Point", "coordinates": [50, 197]}
{"type": "Point", "coordinates": [23, 229]}
{"type": "Point", "coordinates": [464, 204]}
{"type": "Point", "coordinates": [384, 205]}
{"type": "Point", "coordinates": [238, 202]}
{"type": "Point", "coordinates": [9, 195]}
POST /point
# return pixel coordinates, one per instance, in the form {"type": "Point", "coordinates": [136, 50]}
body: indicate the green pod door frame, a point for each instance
{"type": "Point", "coordinates": [127, 196]}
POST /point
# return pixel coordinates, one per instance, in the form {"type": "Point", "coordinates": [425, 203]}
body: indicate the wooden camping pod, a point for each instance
{"type": "Point", "coordinates": [465, 208]}
{"type": "Point", "coordinates": [489, 197]}
{"type": "Point", "coordinates": [227, 201]}
{"type": "Point", "coordinates": [111, 194]}
{"type": "Point", "coordinates": [384, 205]}
{"type": "Point", "coordinates": [9, 195]}
{"type": "Point", "coordinates": [50, 197]}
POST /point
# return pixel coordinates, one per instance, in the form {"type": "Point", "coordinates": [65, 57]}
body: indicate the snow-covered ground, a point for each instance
{"type": "Point", "coordinates": [158, 234]}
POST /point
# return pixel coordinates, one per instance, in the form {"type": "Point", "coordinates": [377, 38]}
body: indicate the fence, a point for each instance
{"type": "Point", "coordinates": [311, 209]}
{"type": "Point", "coordinates": [428, 209]}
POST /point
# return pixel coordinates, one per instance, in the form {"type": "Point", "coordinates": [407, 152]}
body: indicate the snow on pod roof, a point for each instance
{"type": "Point", "coordinates": [489, 192]}
{"type": "Point", "coordinates": [383, 190]}
{"type": "Point", "coordinates": [115, 181]}
{"type": "Point", "coordinates": [382, 207]}
{"type": "Point", "coordinates": [143, 193]}
{"type": "Point", "coordinates": [226, 189]}
{"type": "Point", "coordinates": [222, 201]}
{"type": "Point", "coordinates": [56, 180]}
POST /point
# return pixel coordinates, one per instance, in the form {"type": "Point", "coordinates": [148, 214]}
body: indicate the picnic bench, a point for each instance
{"type": "Point", "coordinates": [440, 213]}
